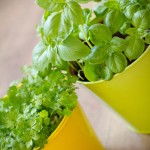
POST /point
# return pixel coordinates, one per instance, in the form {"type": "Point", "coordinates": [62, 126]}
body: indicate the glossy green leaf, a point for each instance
{"type": "Point", "coordinates": [87, 13]}
{"type": "Point", "coordinates": [141, 19]}
{"type": "Point", "coordinates": [57, 26]}
{"type": "Point", "coordinates": [123, 3]}
{"type": "Point", "coordinates": [106, 73]}
{"type": "Point", "coordinates": [112, 4]}
{"type": "Point", "coordinates": [40, 56]}
{"type": "Point", "coordinates": [116, 62]}
{"type": "Point", "coordinates": [100, 10]}
{"type": "Point", "coordinates": [124, 27]}
{"type": "Point", "coordinates": [135, 47]}
{"type": "Point", "coordinates": [83, 32]}
{"type": "Point", "coordinates": [72, 49]}
{"type": "Point", "coordinates": [74, 13]}
{"type": "Point", "coordinates": [131, 10]}
{"type": "Point", "coordinates": [118, 44]}
{"type": "Point", "coordinates": [114, 20]}
{"type": "Point", "coordinates": [90, 72]}
{"type": "Point", "coordinates": [51, 6]}
{"type": "Point", "coordinates": [97, 56]}
{"type": "Point", "coordinates": [132, 31]}
{"type": "Point", "coordinates": [100, 34]}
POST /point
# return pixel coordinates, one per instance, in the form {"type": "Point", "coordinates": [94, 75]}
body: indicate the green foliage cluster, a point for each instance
{"type": "Point", "coordinates": [32, 110]}
{"type": "Point", "coordinates": [94, 47]}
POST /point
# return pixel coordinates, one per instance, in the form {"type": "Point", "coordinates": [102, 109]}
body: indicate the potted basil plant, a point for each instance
{"type": "Point", "coordinates": [107, 48]}
{"type": "Point", "coordinates": [42, 112]}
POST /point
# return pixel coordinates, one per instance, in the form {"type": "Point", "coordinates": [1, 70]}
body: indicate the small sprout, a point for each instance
{"type": "Point", "coordinates": [43, 114]}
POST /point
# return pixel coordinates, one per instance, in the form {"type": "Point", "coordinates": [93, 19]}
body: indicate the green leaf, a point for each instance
{"type": "Point", "coordinates": [123, 3]}
{"type": "Point", "coordinates": [106, 73]}
{"type": "Point", "coordinates": [114, 20]}
{"type": "Point", "coordinates": [116, 62]}
{"type": "Point", "coordinates": [43, 114]}
{"type": "Point", "coordinates": [52, 54]}
{"type": "Point", "coordinates": [97, 55]}
{"type": "Point", "coordinates": [40, 56]}
{"type": "Point", "coordinates": [46, 121]}
{"type": "Point", "coordinates": [100, 34]}
{"type": "Point", "coordinates": [72, 49]}
{"type": "Point", "coordinates": [112, 4]}
{"type": "Point", "coordinates": [57, 26]}
{"type": "Point", "coordinates": [90, 72]}
{"type": "Point", "coordinates": [74, 13]}
{"type": "Point", "coordinates": [132, 31]}
{"type": "Point", "coordinates": [100, 10]}
{"type": "Point", "coordinates": [118, 44]}
{"type": "Point", "coordinates": [87, 13]}
{"type": "Point", "coordinates": [131, 10]}
{"type": "Point", "coordinates": [124, 28]}
{"type": "Point", "coordinates": [50, 5]}
{"type": "Point", "coordinates": [135, 47]}
{"type": "Point", "coordinates": [83, 32]}
{"type": "Point", "coordinates": [141, 19]}
{"type": "Point", "coordinates": [29, 144]}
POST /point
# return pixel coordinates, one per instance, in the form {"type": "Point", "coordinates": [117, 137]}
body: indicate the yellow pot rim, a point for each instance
{"type": "Point", "coordinates": [118, 74]}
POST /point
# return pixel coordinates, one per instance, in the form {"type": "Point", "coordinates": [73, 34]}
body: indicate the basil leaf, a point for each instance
{"type": "Point", "coordinates": [131, 10]}
{"type": "Point", "coordinates": [97, 55]}
{"type": "Point", "coordinates": [74, 13]}
{"type": "Point", "coordinates": [116, 62]}
{"type": "Point", "coordinates": [100, 10]}
{"type": "Point", "coordinates": [112, 4]}
{"type": "Point", "coordinates": [87, 13]}
{"type": "Point", "coordinates": [135, 47]}
{"type": "Point", "coordinates": [90, 72]}
{"type": "Point", "coordinates": [72, 49]}
{"type": "Point", "coordinates": [123, 3]}
{"type": "Point", "coordinates": [106, 73]}
{"type": "Point", "coordinates": [141, 19]}
{"type": "Point", "coordinates": [83, 32]}
{"type": "Point", "coordinates": [59, 62]}
{"type": "Point", "coordinates": [99, 34]}
{"type": "Point", "coordinates": [50, 6]}
{"type": "Point", "coordinates": [118, 44]}
{"type": "Point", "coordinates": [57, 26]}
{"type": "Point", "coordinates": [114, 20]}
{"type": "Point", "coordinates": [124, 27]}
{"type": "Point", "coordinates": [40, 56]}
{"type": "Point", "coordinates": [132, 31]}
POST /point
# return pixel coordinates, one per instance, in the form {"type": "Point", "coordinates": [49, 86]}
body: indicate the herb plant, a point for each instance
{"type": "Point", "coordinates": [32, 110]}
{"type": "Point", "coordinates": [93, 44]}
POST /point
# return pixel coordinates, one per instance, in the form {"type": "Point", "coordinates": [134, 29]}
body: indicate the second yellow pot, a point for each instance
{"type": "Point", "coordinates": [74, 133]}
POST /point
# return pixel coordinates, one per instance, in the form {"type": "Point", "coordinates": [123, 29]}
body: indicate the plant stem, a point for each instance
{"type": "Point", "coordinates": [72, 66]}
{"type": "Point", "coordinates": [86, 39]}
{"type": "Point", "coordinates": [79, 65]}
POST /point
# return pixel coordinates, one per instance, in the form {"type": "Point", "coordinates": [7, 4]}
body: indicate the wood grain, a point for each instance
{"type": "Point", "coordinates": [17, 40]}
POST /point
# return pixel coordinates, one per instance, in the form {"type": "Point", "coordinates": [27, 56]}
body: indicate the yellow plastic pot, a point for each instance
{"type": "Point", "coordinates": [74, 133]}
{"type": "Point", "coordinates": [128, 93]}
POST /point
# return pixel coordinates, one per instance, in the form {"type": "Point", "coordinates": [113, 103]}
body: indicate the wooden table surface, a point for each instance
{"type": "Point", "coordinates": [17, 40]}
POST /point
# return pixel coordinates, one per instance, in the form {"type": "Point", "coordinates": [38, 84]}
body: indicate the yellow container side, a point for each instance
{"type": "Point", "coordinates": [74, 133]}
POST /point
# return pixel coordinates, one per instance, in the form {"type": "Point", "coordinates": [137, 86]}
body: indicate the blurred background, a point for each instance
{"type": "Point", "coordinates": [18, 37]}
